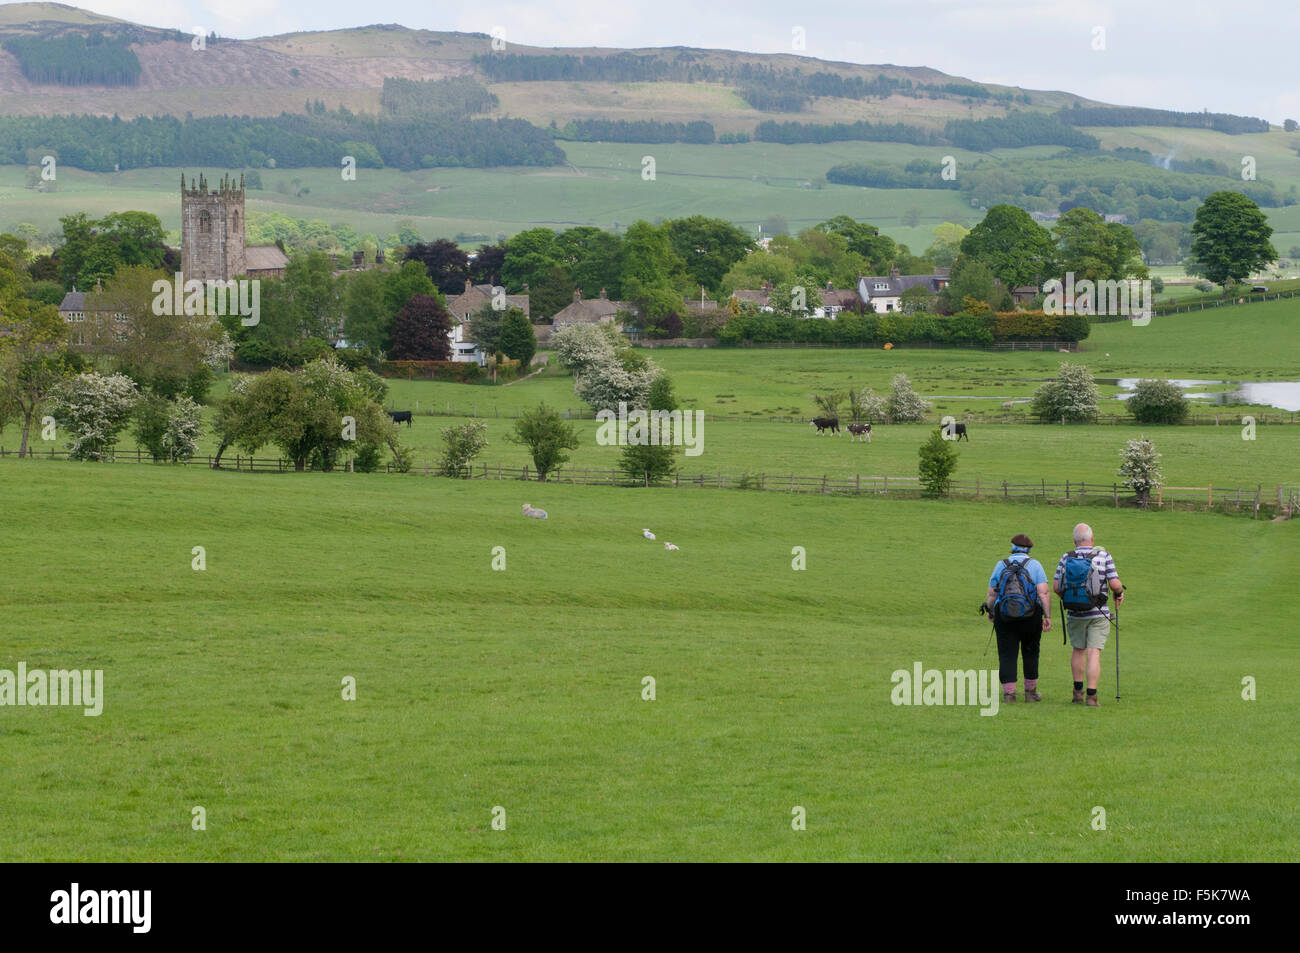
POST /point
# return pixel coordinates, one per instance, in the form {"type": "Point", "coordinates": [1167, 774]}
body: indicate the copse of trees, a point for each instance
{"type": "Point", "coordinates": [1017, 129]}
{"type": "Point", "coordinates": [75, 60]}
{"type": "Point", "coordinates": [457, 97]}
{"type": "Point", "coordinates": [792, 132]}
{"type": "Point", "coordinates": [641, 130]}
{"type": "Point", "coordinates": [302, 413]}
{"type": "Point", "coordinates": [104, 144]}
{"type": "Point", "coordinates": [1079, 115]}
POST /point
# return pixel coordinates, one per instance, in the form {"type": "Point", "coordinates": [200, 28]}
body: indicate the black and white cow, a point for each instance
{"type": "Point", "coordinates": [860, 430]}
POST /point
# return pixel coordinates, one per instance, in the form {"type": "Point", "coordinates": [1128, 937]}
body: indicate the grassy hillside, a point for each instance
{"type": "Point", "coordinates": [523, 689]}
{"type": "Point", "coordinates": [602, 185]}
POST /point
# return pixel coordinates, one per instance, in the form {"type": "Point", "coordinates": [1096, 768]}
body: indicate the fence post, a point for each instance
{"type": "Point", "coordinates": [1044, 479]}
{"type": "Point", "coordinates": [977, 488]}
{"type": "Point", "coordinates": [1114, 488]}
{"type": "Point", "coordinates": [886, 484]}
{"type": "Point", "coordinates": [1067, 490]}
{"type": "Point", "coordinates": [1209, 498]}
{"type": "Point", "coordinates": [1083, 492]}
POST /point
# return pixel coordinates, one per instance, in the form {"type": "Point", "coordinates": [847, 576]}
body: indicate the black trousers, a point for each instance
{"type": "Point", "coordinates": [1018, 636]}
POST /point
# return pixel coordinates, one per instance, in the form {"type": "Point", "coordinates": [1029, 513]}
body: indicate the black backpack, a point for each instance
{"type": "Point", "coordinates": [1017, 594]}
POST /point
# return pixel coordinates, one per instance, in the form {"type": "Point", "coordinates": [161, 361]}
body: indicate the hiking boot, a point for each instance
{"type": "Point", "coordinates": [1008, 697]}
{"type": "Point", "coordinates": [1033, 696]}
{"type": "Point", "coordinates": [1078, 696]}
{"type": "Point", "coordinates": [1093, 702]}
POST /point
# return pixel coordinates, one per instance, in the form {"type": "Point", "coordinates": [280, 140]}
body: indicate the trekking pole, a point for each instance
{"type": "Point", "coordinates": [984, 610]}
{"type": "Point", "coordinates": [1117, 646]}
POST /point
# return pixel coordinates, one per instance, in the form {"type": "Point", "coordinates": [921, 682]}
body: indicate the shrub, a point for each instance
{"type": "Point", "coordinates": [1141, 468]}
{"type": "Point", "coordinates": [463, 444]}
{"type": "Point", "coordinates": [93, 409]}
{"type": "Point", "coordinates": [648, 464]}
{"type": "Point", "coordinates": [1158, 402]}
{"type": "Point", "coordinates": [1072, 396]}
{"type": "Point", "coordinates": [546, 435]}
{"type": "Point", "coordinates": [937, 464]}
{"type": "Point", "coordinates": [904, 405]}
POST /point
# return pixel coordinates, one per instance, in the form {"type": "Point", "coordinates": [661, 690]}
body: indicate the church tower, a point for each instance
{"type": "Point", "coordinates": [212, 229]}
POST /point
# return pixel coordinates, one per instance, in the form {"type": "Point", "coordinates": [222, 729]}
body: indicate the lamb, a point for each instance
{"type": "Point", "coordinates": [671, 548]}
{"type": "Point", "coordinates": [536, 514]}
{"type": "Point", "coordinates": [647, 534]}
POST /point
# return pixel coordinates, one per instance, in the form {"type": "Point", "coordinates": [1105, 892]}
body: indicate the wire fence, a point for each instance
{"type": "Point", "coordinates": [1282, 501]}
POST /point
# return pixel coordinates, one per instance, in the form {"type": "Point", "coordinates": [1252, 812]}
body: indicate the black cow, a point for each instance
{"type": "Point", "coordinates": [401, 415]}
{"type": "Point", "coordinates": [957, 431]}
{"type": "Point", "coordinates": [860, 430]}
{"type": "Point", "coordinates": [826, 423]}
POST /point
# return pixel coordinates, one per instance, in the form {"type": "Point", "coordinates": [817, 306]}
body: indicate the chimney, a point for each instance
{"type": "Point", "coordinates": [893, 271]}
{"type": "Point", "coordinates": [602, 292]}
{"type": "Point", "coordinates": [379, 257]}
{"type": "Point", "coordinates": [830, 285]}
{"type": "Point", "coordinates": [99, 287]}
{"type": "Point", "coordinates": [358, 259]}
{"type": "Point", "coordinates": [467, 285]}
{"type": "Point", "coordinates": [577, 295]}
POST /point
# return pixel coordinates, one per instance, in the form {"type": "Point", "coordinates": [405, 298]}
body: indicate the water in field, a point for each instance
{"type": "Point", "coordinates": [1285, 395]}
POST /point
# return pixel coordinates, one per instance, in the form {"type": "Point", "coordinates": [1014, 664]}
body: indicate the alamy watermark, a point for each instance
{"type": "Point", "coordinates": [83, 688]}
{"type": "Point", "coordinates": [923, 686]}
{"type": "Point", "coordinates": [1126, 297]}
{"type": "Point", "coordinates": [213, 297]}
{"type": "Point", "coordinates": [653, 428]}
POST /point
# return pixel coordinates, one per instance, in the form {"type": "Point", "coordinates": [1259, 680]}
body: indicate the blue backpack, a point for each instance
{"type": "Point", "coordinates": [1082, 588]}
{"type": "Point", "coordinates": [1017, 594]}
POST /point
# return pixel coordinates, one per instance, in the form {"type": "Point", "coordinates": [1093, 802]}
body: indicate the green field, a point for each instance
{"type": "Point", "coordinates": [522, 689]}
{"type": "Point", "coordinates": [764, 383]}
{"type": "Point", "coordinates": [601, 186]}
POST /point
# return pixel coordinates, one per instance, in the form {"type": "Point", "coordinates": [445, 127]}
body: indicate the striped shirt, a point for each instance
{"type": "Point", "coordinates": [1099, 557]}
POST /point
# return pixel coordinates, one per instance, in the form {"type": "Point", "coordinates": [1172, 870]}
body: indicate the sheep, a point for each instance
{"type": "Point", "coordinates": [533, 513]}
{"type": "Point", "coordinates": [671, 548]}
{"type": "Point", "coordinates": [647, 534]}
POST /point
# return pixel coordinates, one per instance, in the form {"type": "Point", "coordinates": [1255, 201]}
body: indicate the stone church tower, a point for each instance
{"type": "Point", "coordinates": [212, 229]}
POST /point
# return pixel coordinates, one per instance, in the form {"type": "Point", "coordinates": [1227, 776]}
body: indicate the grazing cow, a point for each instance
{"type": "Point", "coordinates": [959, 430]}
{"type": "Point", "coordinates": [860, 430]}
{"type": "Point", "coordinates": [826, 423]}
{"type": "Point", "coordinates": [400, 415]}
{"type": "Point", "coordinates": [1009, 405]}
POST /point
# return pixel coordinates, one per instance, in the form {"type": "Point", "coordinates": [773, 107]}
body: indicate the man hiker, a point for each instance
{"type": "Point", "coordinates": [1021, 608]}
{"type": "Point", "coordinates": [1084, 579]}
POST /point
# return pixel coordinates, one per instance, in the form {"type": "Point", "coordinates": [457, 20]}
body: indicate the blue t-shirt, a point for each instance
{"type": "Point", "coordinates": [1032, 566]}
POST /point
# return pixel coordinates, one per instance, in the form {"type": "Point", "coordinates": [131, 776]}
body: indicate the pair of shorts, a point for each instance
{"type": "Point", "coordinates": [1087, 633]}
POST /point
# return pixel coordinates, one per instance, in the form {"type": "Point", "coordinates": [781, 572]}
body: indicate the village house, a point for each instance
{"type": "Point", "coordinates": [882, 294]}
{"type": "Point", "coordinates": [87, 325]}
{"type": "Point", "coordinates": [467, 304]}
{"type": "Point", "coordinates": [599, 310]}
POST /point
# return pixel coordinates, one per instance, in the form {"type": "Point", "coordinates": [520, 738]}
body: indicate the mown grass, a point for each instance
{"type": "Point", "coordinates": [523, 688]}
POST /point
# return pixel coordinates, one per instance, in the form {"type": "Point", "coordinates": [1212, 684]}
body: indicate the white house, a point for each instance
{"type": "Point", "coordinates": [463, 350]}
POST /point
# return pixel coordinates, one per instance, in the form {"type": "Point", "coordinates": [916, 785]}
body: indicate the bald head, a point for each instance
{"type": "Point", "coordinates": [1083, 535]}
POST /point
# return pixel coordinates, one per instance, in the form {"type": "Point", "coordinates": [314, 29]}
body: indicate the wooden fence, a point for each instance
{"type": "Point", "coordinates": [448, 409]}
{"type": "Point", "coordinates": [1284, 499]}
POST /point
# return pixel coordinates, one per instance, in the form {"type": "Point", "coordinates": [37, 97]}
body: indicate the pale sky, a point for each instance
{"type": "Point", "coordinates": [1170, 54]}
